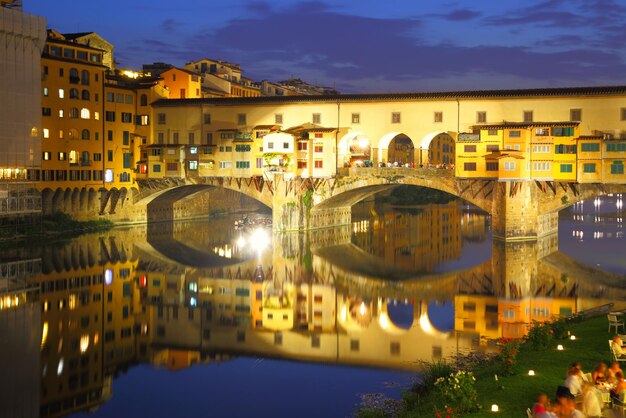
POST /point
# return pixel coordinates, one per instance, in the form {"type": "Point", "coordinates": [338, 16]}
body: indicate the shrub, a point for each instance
{"type": "Point", "coordinates": [560, 328]}
{"type": "Point", "coordinates": [540, 336]}
{"type": "Point", "coordinates": [435, 370]}
{"type": "Point", "coordinates": [507, 358]}
{"type": "Point", "coordinates": [457, 390]}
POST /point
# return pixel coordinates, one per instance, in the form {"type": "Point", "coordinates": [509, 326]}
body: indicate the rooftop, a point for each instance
{"type": "Point", "coordinates": [447, 95]}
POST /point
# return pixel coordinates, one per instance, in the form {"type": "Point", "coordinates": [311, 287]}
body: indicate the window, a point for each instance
{"type": "Point", "coordinates": [285, 145]}
{"type": "Point", "coordinates": [46, 133]}
{"type": "Point", "coordinates": [575, 115]}
{"type": "Point", "coordinates": [110, 97]}
{"type": "Point", "coordinates": [617, 167]}
{"type": "Point", "coordinates": [542, 166]}
{"type": "Point", "coordinates": [395, 117]}
{"type": "Point", "coordinates": [469, 307]}
{"type": "Point", "coordinates": [175, 137]}
{"type": "Point", "coordinates": [81, 55]}
{"type": "Point", "coordinates": [303, 146]}
{"type": "Point", "coordinates": [226, 164]}
{"type": "Point", "coordinates": [97, 156]}
{"type": "Point", "coordinates": [481, 117]}
{"type": "Point", "coordinates": [84, 78]}
{"type": "Point", "coordinates": [47, 155]}
{"type": "Point", "coordinates": [590, 147]}
{"type": "Point", "coordinates": [318, 148]}
{"type": "Point", "coordinates": [161, 118]}
{"type": "Point", "coordinates": [319, 164]}
{"type": "Point", "coordinates": [542, 131]}
{"type": "Point", "coordinates": [469, 148]}
{"type": "Point", "coordinates": [565, 149]}
{"type": "Point", "coordinates": [438, 117]}
{"type": "Point", "coordinates": [302, 164]}
{"type": "Point", "coordinates": [74, 79]}
{"type": "Point", "coordinates": [119, 98]}
{"type": "Point", "coordinates": [241, 119]}
{"type": "Point", "coordinates": [46, 111]}
{"type": "Point", "coordinates": [563, 131]}
{"type": "Point", "coordinates": [85, 134]}
{"type": "Point", "coordinates": [193, 165]}
{"type": "Point", "coordinates": [127, 117]}
{"type": "Point", "coordinates": [109, 155]}
{"type": "Point", "coordinates": [126, 138]}
{"type": "Point", "coordinates": [622, 113]}
{"type": "Point", "coordinates": [143, 100]}
{"type": "Point", "coordinates": [207, 118]}
{"type": "Point", "coordinates": [73, 114]}
{"type": "Point", "coordinates": [528, 116]}
{"type": "Point", "coordinates": [356, 118]}
{"type": "Point", "coordinates": [209, 138]}
{"type": "Point", "coordinates": [493, 148]}
{"type": "Point", "coordinates": [84, 113]}
{"type": "Point", "coordinates": [565, 168]}
{"type": "Point", "coordinates": [62, 156]}
{"type": "Point", "coordinates": [317, 118]}
{"type": "Point", "coordinates": [509, 166]}
{"type": "Point", "coordinates": [492, 132]}
{"type": "Point", "coordinates": [243, 148]}
{"type": "Point", "coordinates": [45, 91]}
{"type": "Point", "coordinates": [110, 135]}
{"type": "Point", "coordinates": [109, 116]}
{"type": "Point", "coordinates": [589, 168]}
{"type": "Point", "coordinates": [142, 120]}
{"type": "Point", "coordinates": [615, 147]}
{"type": "Point", "coordinates": [515, 134]}
{"type": "Point", "coordinates": [191, 138]}
{"type": "Point", "coordinates": [96, 115]}
{"type": "Point", "coordinates": [84, 95]}
{"type": "Point", "coordinates": [60, 113]}
{"type": "Point", "coordinates": [469, 166]}
{"type": "Point", "coordinates": [492, 166]}
{"type": "Point", "coordinates": [61, 94]}
{"type": "Point", "coordinates": [516, 147]}
{"type": "Point", "coordinates": [242, 164]}
{"type": "Point", "coordinates": [156, 168]}
{"type": "Point", "coordinates": [541, 149]}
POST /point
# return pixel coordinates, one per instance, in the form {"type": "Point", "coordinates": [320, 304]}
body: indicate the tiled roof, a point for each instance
{"type": "Point", "coordinates": [520, 125]}
{"type": "Point", "coordinates": [447, 95]}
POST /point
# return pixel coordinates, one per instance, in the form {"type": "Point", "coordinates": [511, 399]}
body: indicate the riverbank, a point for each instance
{"type": "Point", "coordinates": [513, 394]}
{"type": "Point", "coordinates": [53, 228]}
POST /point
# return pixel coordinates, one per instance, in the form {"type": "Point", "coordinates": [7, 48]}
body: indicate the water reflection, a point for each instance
{"type": "Point", "coordinates": [185, 293]}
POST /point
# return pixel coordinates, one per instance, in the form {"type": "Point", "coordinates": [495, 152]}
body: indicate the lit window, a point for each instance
{"type": "Point", "coordinates": [84, 113]}
{"type": "Point", "coordinates": [61, 94]}
{"type": "Point", "coordinates": [45, 91]}
{"type": "Point", "coordinates": [46, 133]}
{"type": "Point", "coordinates": [96, 115]}
{"type": "Point", "coordinates": [108, 178]}
{"type": "Point", "coordinates": [193, 150]}
{"type": "Point", "coordinates": [60, 113]}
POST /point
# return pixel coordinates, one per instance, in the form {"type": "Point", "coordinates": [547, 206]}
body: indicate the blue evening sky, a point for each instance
{"type": "Point", "coordinates": [368, 45]}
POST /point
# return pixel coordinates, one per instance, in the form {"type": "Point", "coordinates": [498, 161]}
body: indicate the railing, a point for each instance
{"type": "Point", "coordinates": [395, 171]}
{"type": "Point", "coordinates": [16, 205]}
{"type": "Point", "coordinates": [20, 269]}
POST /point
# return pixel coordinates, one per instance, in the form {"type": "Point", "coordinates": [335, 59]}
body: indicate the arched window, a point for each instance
{"type": "Point", "coordinates": [73, 114]}
{"type": "Point", "coordinates": [74, 79]}
{"type": "Point", "coordinates": [85, 94]}
{"type": "Point", "coordinates": [73, 157]}
{"type": "Point", "coordinates": [84, 158]}
{"type": "Point", "coordinates": [73, 93]}
{"type": "Point", "coordinates": [84, 78]}
{"type": "Point", "coordinates": [143, 100]}
{"type": "Point", "coordinates": [85, 134]}
{"type": "Point", "coordinates": [84, 113]}
{"type": "Point", "coordinates": [72, 133]}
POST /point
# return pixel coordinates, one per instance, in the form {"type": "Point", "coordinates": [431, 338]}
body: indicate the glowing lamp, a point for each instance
{"type": "Point", "coordinates": [559, 347]}
{"type": "Point", "coordinates": [531, 373]}
{"type": "Point", "coordinates": [573, 337]}
{"type": "Point", "coordinates": [494, 408]}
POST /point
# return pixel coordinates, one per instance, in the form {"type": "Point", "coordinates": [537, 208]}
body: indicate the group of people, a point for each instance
{"type": "Point", "coordinates": [581, 394]}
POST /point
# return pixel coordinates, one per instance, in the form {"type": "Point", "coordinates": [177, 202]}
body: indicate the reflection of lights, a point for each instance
{"type": "Point", "coordinates": [363, 142]}
{"type": "Point", "coordinates": [193, 301]}
{"type": "Point", "coordinates": [362, 308]}
{"type": "Point", "coordinates": [241, 242]}
{"type": "Point", "coordinates": [108, 276]}
{"type": "Point", "coordinates": [96, 338]}
{"type": "Point", "coordinates": [44, 334]}
{"type": "Point", "coordinates": [84, 343]}
{"type": "Point", "coordinates": [260, 239]}
{"type": "Point", "coordinates": [72, 302]}
{"type": "Point", "coordinates": [344, 314]}
{"type": "Point", "coordinates": [60, 367]}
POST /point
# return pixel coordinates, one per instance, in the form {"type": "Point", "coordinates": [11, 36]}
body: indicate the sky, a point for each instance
{"type": "Point", "coordinates": [365, 46]}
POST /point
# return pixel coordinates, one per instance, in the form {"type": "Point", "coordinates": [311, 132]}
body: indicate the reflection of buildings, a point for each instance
{"type": "Point", "coordinates": [441, 150]}
{"type": "Point", "coordinates": [417, 239]}
{"type": "Point", "coordinates": [104, 307]}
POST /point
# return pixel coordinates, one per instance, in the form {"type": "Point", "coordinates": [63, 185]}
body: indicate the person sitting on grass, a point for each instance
{"type": "Point", "coordinates": [598, 375]}
{"type": "Point", "coordinates": [542, 408]}
{"type": "Point", "coordinates": [592, 401]}
{"type": "Point", "coordinates": [618, 347]}
{"type": "Point", "coordinates": [574, 381]}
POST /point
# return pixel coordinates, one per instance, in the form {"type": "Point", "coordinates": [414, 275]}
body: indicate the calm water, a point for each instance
{"type": "Point", "coordinates": [200, 319]}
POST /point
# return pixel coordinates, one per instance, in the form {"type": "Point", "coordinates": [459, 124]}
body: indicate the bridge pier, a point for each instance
{"type": "Point", "coordinates": [516, 213]}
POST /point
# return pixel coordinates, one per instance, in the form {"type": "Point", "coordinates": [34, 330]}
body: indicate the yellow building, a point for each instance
{"type": "Point", "coordinates": [72, 87]}
{"type": "Point", "coordinates": [181, 83]}
{"type": "Point", "coordinates": [589, 156]}
{"type": "Point", "coordinates": [613, 160]}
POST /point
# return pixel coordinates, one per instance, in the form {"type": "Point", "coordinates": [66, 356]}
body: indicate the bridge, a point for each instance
{"type": "Point", "coordinates": [520, 210]}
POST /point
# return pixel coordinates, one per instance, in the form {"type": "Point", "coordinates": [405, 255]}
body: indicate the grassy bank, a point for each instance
{"type": "Point", "coordinates": [53, 228]}
{"type": "Point", "coordinates": [513, 394]}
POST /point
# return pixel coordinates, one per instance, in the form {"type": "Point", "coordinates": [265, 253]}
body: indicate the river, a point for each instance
{"type": "Point", "coordinates": [201, 319]}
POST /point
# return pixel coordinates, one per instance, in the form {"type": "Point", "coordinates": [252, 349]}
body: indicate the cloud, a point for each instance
{"type": "Point", "coordinates": [459, 15]}
{"type": "Point", "coordinates": [169, 25]}
{"type": "Point", "coordinates": [258, 7]}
